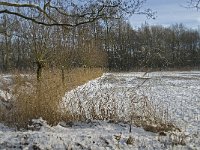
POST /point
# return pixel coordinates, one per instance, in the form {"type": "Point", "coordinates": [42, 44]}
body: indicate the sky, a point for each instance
{"type": "Point", "coordinates": [168, 12]}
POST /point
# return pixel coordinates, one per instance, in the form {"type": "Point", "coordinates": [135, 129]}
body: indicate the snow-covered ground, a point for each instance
{"type": "Point", "coordinates": [91, 135]}
{"type": "Point", "coordinates": [178, 93]}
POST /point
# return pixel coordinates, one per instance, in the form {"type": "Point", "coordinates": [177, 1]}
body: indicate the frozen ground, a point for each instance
{"type": "Point", "coordinates": [178, 93]}
{"type": "Point", "coordinates": [91, 135]}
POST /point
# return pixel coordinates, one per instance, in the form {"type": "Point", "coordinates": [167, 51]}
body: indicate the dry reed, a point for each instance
{"type": "Point", "coordinates": [34, 99]}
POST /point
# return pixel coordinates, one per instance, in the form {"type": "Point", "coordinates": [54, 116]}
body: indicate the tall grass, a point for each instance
{"type": "Point", "coordinates": [34, 99]}
{"type": "Point", "coordinates": [44, 99]}
{"type": "Point", "coordinates": [138, 110]}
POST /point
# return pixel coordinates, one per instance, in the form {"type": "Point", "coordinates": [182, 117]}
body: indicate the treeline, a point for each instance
{"type": "Point", "coordinates": [112, 44]}
{"type": "Point", "coordinates": [153, 47]}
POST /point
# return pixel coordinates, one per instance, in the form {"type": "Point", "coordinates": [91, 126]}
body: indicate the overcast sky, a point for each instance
{"type": "Point", "coordinates": [169, 12]}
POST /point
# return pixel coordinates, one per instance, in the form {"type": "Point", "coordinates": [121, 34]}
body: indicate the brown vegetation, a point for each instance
{"type": "Point", "coordinates": [34, 99]}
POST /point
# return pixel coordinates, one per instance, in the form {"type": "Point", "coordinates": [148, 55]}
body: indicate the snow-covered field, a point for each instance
{"type": "Point", "coordinates": [178, 93]}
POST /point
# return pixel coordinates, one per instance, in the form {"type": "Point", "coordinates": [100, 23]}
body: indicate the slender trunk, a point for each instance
{"type": "Point", "coordinates": [39, 70]}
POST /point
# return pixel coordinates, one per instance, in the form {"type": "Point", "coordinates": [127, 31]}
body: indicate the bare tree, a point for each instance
{"type": "Point", "coordinates": [194, 4]}
{"type": "Point", "coordinates": [70, 14]}
{"type": "Point", "coordinates": [46, 12]}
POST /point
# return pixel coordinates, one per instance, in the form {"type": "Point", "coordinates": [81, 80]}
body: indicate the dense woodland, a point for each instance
{"type": "Point", "coordinates": [105, 42]}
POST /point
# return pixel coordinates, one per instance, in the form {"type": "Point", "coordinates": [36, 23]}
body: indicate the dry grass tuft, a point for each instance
{"type": "Point", "coordinates": [130, 140]}
{"type": "Point", "coordinates": [34, 99]}
{"type": "Point", "coordinates": [151, 117]}
{"type": "Point", "coordinates": [137, 110]}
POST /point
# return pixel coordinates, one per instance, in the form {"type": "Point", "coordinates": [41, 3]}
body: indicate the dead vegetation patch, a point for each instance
{"type": "Point", "coordinates": [43, 99]}
{"type": "Point", "coordinates": [151, 117]}
{"type": "Point", "coordinates": [32, 99]}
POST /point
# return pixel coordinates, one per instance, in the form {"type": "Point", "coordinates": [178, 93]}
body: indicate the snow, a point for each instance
{"type": "Point", "coordinates": [91, 135]}
{"type": "Point", "coordinates": [5, 96]}
{"type": "Point", "coordinates": [176, 92]}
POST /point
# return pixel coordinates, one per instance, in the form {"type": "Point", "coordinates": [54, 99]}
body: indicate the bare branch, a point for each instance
{"type": "Point", "coordinates": [50, 24]}
{"type": "Point", "coordinates": [193, 4]}
{"type": "Point", "coordinates": [32, 19]}
{"type": "Point", "coordinates": [22, 5]}
{"type": "Point", "coordinates": [87, 13]}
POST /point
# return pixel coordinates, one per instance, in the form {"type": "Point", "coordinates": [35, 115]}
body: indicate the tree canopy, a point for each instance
{"type": "Point", "coordinates": [72, 13]}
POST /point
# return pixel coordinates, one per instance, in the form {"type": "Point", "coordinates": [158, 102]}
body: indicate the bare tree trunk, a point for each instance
{"type": "Point", "coordinates": [40, 66]}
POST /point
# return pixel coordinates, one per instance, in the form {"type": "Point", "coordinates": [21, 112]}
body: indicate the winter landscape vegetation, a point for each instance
{"type": "Point", "coordinates": [76, 74]}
